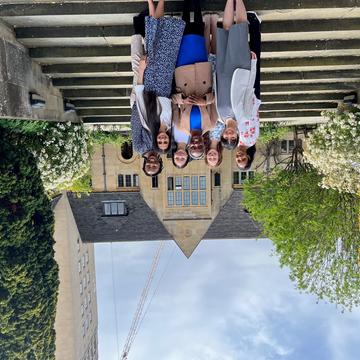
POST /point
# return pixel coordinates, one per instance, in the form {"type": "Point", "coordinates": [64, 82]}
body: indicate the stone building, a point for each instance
{"type": "Point", "coordinates": [76, 322]}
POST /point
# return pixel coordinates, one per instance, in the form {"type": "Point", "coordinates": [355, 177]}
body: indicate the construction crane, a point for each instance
{"type": "Point", "coordinates": [138, 316]}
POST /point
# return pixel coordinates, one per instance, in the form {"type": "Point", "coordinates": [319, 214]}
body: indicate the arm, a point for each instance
{"type": "Point", "coordinates": [137, 52]}
{"type": "Point", "coordinates": [253, 70]}
{"type": "Point", "coordinates": [140, 102]}
{"type": "Point", "coordinates": [177, 99]}
{"type": "Point", "coordinates": [165, 115]}
{"type": "Point", "coordinates": [141, 139]}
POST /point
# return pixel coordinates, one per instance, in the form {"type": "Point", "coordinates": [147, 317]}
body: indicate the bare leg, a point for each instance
{"type": "Point", "coordinates": [160, 9]}
{"type": "Point", "coordinates": [240, 14]}
{"type": "Point", "coordinates": [213, 26]}
{"type": "Point", "coordinates": [207, 19]}
{"type": "Point", "coordinates": [228, 19]}
{"type": "Point", "coordinates": [151, 8]}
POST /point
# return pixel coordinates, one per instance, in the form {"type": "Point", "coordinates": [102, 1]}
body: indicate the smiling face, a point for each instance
{"type": "Point", "coordinates": [152, 165]}
{"type": "Point", "coordinates": [163, 141]}
{"type": "Point", "coordinates": [196, 146]}
{"type": "Point", "coordinates": [241, 157]}
{"type": "Point", "coordinates": [180, 158]}
{"type": "Point", "coordinates": [230, 134]}
{"type": "Point", "coordinates": [212, 157]}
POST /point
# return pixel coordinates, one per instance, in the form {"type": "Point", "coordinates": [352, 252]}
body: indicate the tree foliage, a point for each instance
{"type": "Point", "coordinates": [28, 271]}
{"type": "Point", "coordinates": [272, 131]}
{"type": "Point", "coordinates": [315, 231]}
{"type": "Point", "coordinates": [60, 149]}
{"type": "Point", "coordinates": [333, 149]}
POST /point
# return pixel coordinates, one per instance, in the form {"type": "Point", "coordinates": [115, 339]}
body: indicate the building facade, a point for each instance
{"type": "Point", "coordinates": [76, 322]}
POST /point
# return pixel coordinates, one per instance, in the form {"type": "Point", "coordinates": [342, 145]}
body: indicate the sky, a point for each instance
{"type": "Point", "coordinates": [229, 301]}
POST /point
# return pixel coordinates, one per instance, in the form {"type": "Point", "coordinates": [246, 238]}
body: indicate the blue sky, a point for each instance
{"type": "Point", "coordinates": [229, 301]}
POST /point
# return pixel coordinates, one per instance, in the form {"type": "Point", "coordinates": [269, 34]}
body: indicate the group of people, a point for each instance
{"type": "Point", "coordinates": [196, 87]}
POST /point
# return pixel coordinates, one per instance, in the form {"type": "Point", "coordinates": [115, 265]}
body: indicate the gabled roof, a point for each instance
{"type": "Point", "coordinates": [233, 222]}
{"type": "Point", "coordinates": [141, 223]}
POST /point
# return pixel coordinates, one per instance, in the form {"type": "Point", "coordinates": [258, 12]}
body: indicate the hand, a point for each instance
{"type": "Point", "coordinates": [253, 55]}
{"type": "Point", "coordinates": [143, 63]}
{"type": "Point", "coordinates": [187, 101]}
{"type": "Point", "coordinates": [197, 100]}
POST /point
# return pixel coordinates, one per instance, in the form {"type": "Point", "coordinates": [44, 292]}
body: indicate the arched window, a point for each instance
{"type": "Point", "coordinates": [127, 150]}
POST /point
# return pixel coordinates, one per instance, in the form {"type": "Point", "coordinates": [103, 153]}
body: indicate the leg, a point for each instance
{"type": "Point", "coordinates": [186, 11]}
{"type": "Point", "coordinates": [197, 12]}
{"type": "Point", "coordinates": [255, 46]}
{"type": "Point", "coordinates": [151, 8]}
{"type": "Point", "coordinates": [207, 32]}
{"type": "Point", "coordinates": [228, 19]}
{"type": "Point", "coordinates": [240, 15]}
{"type": "Point", "coordinates": [160, 9]}
{"type": "Point", "coordinates": [213, 26]}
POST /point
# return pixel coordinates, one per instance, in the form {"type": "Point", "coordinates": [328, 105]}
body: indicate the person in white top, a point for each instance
{"type": "Point", "coordinates": [237, 105]}
{"type": "Point", "coordinates": [180, 155]}
{"type": "Point", "coordinates": [153, 74]}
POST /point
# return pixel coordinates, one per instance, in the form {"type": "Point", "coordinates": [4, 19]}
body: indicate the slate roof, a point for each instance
{"type": "Point", "coordinates": [233, 222]}
{"type": "Point", "coordinates": [141, 223]}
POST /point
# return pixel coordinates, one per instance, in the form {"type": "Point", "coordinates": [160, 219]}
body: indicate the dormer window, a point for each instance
{"type": "Point", "coordinates": [114, 208]}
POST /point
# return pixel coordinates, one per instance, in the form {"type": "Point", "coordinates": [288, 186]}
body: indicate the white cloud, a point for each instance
{"type": "Point", "coordinates": [230, 301]}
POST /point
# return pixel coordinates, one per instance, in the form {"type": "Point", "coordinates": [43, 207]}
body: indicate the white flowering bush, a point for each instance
{"type": "Point", "coordinates": [334, 149]}
{"type": "Point", "coordinates": [63, 155]}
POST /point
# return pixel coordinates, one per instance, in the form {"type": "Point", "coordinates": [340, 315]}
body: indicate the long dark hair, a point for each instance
{"type": "Point", "coordinates": [250, 151]}
{"type": "Point", "coordinates": [153, 120]}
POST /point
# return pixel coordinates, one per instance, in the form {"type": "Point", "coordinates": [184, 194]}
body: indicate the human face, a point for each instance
{"type": "Point", "coordinates": [152, 165]}
{"type": "Point", "coordinates": [180, 158]}
{"type": "Point", "coordinates": [163, 141]}
{"type": "Point", "coordinates": [230, 134]}
{"type": "Point", "coordinates": [196, 145]}
{"type": "Point", "coordinates": [212, 157]}
{"type": "Point", "coordinates": [241, 157]}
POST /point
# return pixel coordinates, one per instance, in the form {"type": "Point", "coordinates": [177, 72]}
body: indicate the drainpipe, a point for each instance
{"type": "Point", "coordinates": [104, 167]}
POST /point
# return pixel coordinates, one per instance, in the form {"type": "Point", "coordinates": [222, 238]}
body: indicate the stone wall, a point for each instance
{"type": "Point", "coordinates": [20, 75]}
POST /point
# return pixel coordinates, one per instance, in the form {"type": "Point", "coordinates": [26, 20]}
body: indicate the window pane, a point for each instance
{"type": "Point", "coordinates": [135, 180]}
{"type": "Point", "coordinates": [202, 182]}
{"type": "Point", "coordinates": [107, 209]}
{"type": "Point", "coordinates": [194, 182]}
{"type": "Point", "coordinates": [243, 175]}
{"type": "Point", "coordinates": [251, 174]}
{"type": "Point", "coordinates": [128, 180]}
{"type": "Point", "coordinates": [186, 182]}
{"type": "Point", "coordinates": [120, 180]}
{"type": "Point", "coordinates": [170, 198]}
{"type": "Point", "coordinates": [120, 208]}
{"type": "Point", "coordinates": [178, 182]}
{"type": "Point", "coordinates": [284, 146]}
{"type": "Point", "coordinates": [114, 208]}
{"type": "Point", "coordinates": [178, 198]}
{"type": "Point", "coordinates": [154, 181]}
{"type": "Point", "coordinates": [291, 145]}
{"type": "Point", "coordinates": [187, 198]}
{"type": "Point", "coordinates": [170, 181]}
{"type": "Point", "coordinates": [194, 198]}
{"type": "Point", "coordinates": [202, 198]}
{"type": "Point", "coordinates": [236, 177]}
{"type": "Point", "coordinates": [217, 179]}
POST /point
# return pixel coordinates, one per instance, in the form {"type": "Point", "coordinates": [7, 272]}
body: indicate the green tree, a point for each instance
{"type": "Point", "coordinates": [28, 271]}
{"type": "Point", "coordinates": [315, 231]}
